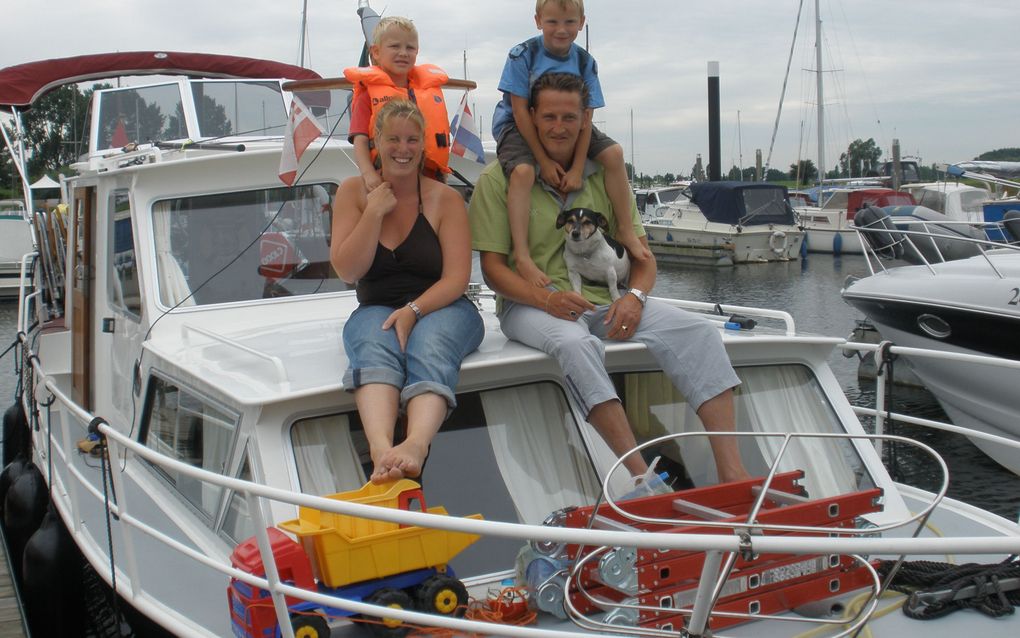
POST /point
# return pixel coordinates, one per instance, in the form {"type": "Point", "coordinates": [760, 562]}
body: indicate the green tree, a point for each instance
{"type": "Point", "coordinates": [803, 171]}
{"type": "Point", "coordinates": [860, 158]}
{"type": "Point", "coordinates": [775, 175]}
{"type": "Point", "coordinates": [1001, 155]}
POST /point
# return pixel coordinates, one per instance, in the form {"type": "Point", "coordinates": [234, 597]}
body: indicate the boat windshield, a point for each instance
{"type": "Point", "coordinates": [836, 199]}
{"type": "Point", "coordinates": [669, 195]}
{"type": "Point", "coordinates": [140, 114]}
{"type": "Point", "coordinates": [973, 201]}
{"type": "Point", "coordinates": [242, 246]}
{"type": "Point", "coordinates": [206, 109]}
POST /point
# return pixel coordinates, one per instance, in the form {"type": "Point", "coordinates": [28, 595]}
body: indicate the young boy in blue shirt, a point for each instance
{"type": "Point", "coordinates": [518, 149]}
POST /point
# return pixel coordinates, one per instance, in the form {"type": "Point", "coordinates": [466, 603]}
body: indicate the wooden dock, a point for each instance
{"type": "Point", "coordinates": [12, 617]}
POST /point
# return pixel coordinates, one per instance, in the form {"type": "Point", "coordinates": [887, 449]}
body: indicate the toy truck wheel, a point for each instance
{"type": "Point", "coordinates": [310, 626]}
{"type": "Point", "coordinates": [390, 627]}
{"type": "Point", "coordinates": [443, 595]}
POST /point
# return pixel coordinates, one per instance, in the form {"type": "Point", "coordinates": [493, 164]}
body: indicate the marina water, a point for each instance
{"type": "Point", "coordinates": [808, 289]}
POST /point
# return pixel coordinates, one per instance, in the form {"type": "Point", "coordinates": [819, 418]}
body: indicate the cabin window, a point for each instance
{"type": "Point", "coordinates": [140, 114]}
{"type": "Point", "coordinates": [519, 449]}
{"type": "Point", "coordinates": [184, 426]}
{"type": "Point", "coordinates": [245, 245]}
{"type": "Point", "coordinates": [769, 399]}
{"type": "Point", "coordinates": [124, 292]}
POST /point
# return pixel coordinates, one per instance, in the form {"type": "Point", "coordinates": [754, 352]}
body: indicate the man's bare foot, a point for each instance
{"type": "Point", "coordinates": [634, 246]}
{"type": "Point", "coordinates": [527, 269]}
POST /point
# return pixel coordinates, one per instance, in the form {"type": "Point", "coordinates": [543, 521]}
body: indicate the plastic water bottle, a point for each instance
{"type": "Point", "coordinates": [649, 483]}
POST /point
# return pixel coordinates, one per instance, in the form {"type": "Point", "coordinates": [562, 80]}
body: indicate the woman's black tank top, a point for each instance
{"type": "Point", "coordinates": [401, 275]}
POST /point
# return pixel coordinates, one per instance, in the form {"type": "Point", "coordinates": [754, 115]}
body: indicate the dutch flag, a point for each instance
{"type": "Point", "coordinates": [466, 142]}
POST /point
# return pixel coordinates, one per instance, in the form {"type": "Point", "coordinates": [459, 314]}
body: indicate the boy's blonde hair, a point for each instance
{"type": "Point", "coordinates": [562, 4]}
{"type": "Point", "coordinates": [390, 22]}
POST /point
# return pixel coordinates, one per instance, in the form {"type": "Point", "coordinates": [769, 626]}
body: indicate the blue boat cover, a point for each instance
{"type": "Point", "coordinates": [743, 203]}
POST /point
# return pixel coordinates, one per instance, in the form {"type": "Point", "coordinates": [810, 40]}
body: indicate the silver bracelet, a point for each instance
{"type": "Point", "coordinates": [414, 308]}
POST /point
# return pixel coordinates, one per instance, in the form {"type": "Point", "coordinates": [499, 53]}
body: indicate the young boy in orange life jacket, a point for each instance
{"type": "Point", "coordinates": [394, 75]}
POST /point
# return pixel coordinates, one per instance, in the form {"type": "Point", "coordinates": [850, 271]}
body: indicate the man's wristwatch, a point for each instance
{"type": "Point", "coordinates": [640, 294]}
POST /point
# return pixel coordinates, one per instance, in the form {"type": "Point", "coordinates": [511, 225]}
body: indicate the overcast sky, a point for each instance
{"type": "Point", "coordinates": [939, 75]}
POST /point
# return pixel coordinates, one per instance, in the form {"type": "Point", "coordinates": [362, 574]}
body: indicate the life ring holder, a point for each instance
{"type": "Point", "coordinates": [778, 242]}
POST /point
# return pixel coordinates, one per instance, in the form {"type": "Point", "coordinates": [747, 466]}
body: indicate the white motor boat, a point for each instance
{"type": "Point", "coordinates": [189, 425]}
{"type": "Point", "coordinates": [965, 306]}
{"type": "Point", "coordinates": [723, 223]}
{"type": "Point", "coordinates": [959, 202]}
{"type": "Point", "coordinates": [15, 243]}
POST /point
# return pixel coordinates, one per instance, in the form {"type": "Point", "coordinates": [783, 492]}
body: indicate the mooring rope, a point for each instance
{"type": "Point", "coordinates": [923, 581]}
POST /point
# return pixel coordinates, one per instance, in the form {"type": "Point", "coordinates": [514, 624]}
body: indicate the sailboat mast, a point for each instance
{"type": "Point", "coordinates": [821, 100]}
{"type": "Point", "coordinates": [304, 30]}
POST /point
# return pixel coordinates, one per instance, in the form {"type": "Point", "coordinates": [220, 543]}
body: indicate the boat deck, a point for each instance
{"type": "Point", "coordinates": [12, 618]}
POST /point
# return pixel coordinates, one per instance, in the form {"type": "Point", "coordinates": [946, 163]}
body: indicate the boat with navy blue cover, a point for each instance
{"type": "Point", "coordinates": [722, 223]}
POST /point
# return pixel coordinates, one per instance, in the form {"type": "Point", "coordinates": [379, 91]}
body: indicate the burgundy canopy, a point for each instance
{"type": "Point", "coordinates": [23, 84]}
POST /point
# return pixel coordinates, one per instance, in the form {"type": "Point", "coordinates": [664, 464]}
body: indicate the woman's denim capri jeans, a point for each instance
{"type": "Point", "coordinates": [437, 345]}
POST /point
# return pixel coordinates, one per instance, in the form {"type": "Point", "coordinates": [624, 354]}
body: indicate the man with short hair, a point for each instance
{"type": "Point", "coordinates": [571, 326]}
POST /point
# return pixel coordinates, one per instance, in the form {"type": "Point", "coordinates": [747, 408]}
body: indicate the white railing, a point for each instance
{"type": "Point", "coordinates": [881, 414]}
{"type": "Point", "coordinates": [899, 236]}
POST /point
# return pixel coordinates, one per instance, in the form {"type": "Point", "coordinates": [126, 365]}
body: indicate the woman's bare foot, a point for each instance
{"type": "Point", "coordinates": [527, 269]}
{"type": "Point", "coordinates": [402, 461]}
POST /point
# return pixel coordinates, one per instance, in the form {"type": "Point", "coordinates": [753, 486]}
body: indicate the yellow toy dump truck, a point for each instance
{"type": "Point", "coordinates": [359, 559]}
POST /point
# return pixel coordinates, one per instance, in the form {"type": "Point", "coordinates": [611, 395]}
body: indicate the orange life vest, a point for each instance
{"type": "Point", "coordinates": [424, 82]}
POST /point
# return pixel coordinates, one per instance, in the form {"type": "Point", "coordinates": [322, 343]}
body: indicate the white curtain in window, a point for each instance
{"type": "Point", "coordinates": [173, 286]}
{"type": "Point", "coordinates": [540, 459]}
{"type": "Point", "coordinates": [782, 399]}
{"type": "Point", "coordinates": [326, 459]}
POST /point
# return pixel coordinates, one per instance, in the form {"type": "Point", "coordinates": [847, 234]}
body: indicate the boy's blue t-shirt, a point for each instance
{"type": "Point", "coordinates": [528, 61]}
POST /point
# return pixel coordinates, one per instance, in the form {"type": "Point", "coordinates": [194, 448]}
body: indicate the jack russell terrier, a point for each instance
{"type": "Point", "coordinates": [591, 254]}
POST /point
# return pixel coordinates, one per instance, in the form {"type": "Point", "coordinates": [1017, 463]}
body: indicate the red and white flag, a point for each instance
{"type": "Point", "coordinates": [302, 129]}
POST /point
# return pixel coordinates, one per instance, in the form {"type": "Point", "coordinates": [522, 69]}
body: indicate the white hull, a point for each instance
{"type": "Point", "coordinates": [719, 245]}
{"type": "Point", "coordinates": [832, 242]}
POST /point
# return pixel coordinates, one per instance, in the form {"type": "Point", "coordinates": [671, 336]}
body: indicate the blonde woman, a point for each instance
{"type": "Point", "coordinates": [407, 244]}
